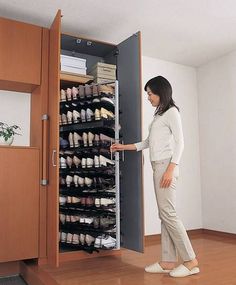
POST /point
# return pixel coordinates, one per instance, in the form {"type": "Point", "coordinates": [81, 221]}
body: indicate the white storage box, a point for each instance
{"type": "Point", "coordinates": [73, 61]}
{"type": "Point", "coordinates": [72, 69]}
{"type": "Point", "coordinates": [104, 70]}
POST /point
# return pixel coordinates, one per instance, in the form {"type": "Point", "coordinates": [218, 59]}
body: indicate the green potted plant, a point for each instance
{"type": "Point", "coordinates": [7, 133]}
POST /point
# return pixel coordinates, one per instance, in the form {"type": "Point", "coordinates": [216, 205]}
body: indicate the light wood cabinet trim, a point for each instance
{"type": "Point", "coordinates": [74, 78]}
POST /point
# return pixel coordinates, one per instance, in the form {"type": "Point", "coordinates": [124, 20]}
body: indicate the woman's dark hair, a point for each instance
{"type": "Point", "coordinates": [161, 86]}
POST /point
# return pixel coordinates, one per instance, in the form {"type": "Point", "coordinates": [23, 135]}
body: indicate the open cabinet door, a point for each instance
{"type": "Point", "coordinates": [53, 103]}
{"type": "Point", "coordinates": [131, 185]}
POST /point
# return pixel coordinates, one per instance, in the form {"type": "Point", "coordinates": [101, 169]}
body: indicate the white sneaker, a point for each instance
{"type": "Point", "coordinates": [63, 162]}
{"type": "Point", "coordinates": [71, 139]}
{"type": "Point", "coordinates": [76, 116]}
{"type": "Point", "coordinates": [105, 241]}
{"type": "Point", "coordinates": [69, 161]}
{"type": "Point", "coordinates": [85, 139]}
{"type": "Point", "coordinates": [76, 161]}
{"type": "Point", "coordinates": [96, 161]}
{"type": "Point", "coordinates": [69, 180]}
{"type": "Point", "coordinates": [89, 162]}
{"type": "Point", "coordinates": [89, 115]}
{"type": "Point", "coordinates": [88, 181]}
{"type": "Point", "coordinates": [68, 94]}
{"type": "Point", "coordinates": [83, 115]}
{"type": "Point", "coordinates": [77, 139]}
{"type": "Point", "coordinates": [69, 116]}
{"type": "Point", "coordinates": [105, 161]}
{"type": "Point", "coordinates": [74, 91]}
{"type": "Point", "coordinates": [90, 138]}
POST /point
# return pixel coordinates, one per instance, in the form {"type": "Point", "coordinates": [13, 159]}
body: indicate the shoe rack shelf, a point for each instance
{"type": "Point", "coordinates": [70, 231]}
{"type": "Point", "coordinates": [71, 78]}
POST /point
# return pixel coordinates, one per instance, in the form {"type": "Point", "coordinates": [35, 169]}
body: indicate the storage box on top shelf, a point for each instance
{"type": "Point", "coordinates": [73, 64]}
{"type": "Point", "coordinates": [103, 72]}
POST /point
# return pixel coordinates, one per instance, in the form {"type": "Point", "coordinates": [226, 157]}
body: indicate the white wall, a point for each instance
{"type": "Point", "coordinates": [217, 120]}
{"type": "Point", "coordinates": [15, 110]}
{"type": "Point", "coordinates": [184, 83]}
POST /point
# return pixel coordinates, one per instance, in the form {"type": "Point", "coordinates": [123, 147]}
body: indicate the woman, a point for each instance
{"type": "Point", "coordinates": [165, 157]}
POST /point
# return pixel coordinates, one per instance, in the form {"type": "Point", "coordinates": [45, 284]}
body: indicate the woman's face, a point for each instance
{"type": "Point", "coordinates": [152, 98]}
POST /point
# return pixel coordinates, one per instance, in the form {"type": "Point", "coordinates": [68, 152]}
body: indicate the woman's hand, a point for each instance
{"type": "Point", "coordinates": [166, 179]}
{"type": "Point", "coordinates": [117, 147]}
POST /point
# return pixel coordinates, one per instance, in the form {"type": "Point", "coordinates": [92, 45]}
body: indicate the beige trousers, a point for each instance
{"type": "Point", "coordinates": [173, 234]}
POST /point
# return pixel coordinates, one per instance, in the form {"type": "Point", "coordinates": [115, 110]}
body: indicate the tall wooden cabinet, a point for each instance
{"type": "Point", "coordinates": [127, 57]}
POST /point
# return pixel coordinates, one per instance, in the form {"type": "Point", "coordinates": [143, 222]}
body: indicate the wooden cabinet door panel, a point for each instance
{"type": "Point", "coordinates": [19, 203]}
{"type": "Point", "coordinates": [53, 110]}
{"type": "Point", "coordinates": [20, 52]}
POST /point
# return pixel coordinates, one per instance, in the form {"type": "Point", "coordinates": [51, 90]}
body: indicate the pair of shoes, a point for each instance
{"type": "Point", "coordinates": [183, 271]}
{"type": "Point", "coordinates": [89, 138]}
{"type": "Point", "coordinates": [74, 139]}
{"type": "Point", "coordinates": [69, 117]}
{"type": "Point", "coordinates": [78, 181]}
{"type": "Point", "coordinates": [180, 271]}
{"type": "Point", "coordinates": [103, 114]}
{"type": "Point", "coordinates": [106, 89]}
{"type": "Point", "coordinates": [87, 201]}
{"type": "Point", "coordinates": [68, 161]}
{"type": "Point", "coordinates": [68, 94]}
{"type": "Point", "coordinates": [105, 241]}
{"type": "Point", "coordinates": [86, 115]}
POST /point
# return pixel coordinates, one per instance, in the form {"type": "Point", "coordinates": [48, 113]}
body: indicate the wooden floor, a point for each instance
{"type": "Point", "coordinates": [217, 257]}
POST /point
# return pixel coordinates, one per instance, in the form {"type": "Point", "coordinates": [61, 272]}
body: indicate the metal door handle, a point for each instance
{"type": "Point", "coordinates": [53, 157]}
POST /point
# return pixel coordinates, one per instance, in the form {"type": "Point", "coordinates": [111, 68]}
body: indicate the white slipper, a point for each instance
{"type": "Point", "coordinates": [156, 268]}
{"type": "Point", "coordinates": [183, 271]}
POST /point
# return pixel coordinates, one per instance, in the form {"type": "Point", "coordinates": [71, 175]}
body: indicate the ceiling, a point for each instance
{"type": "Point", "coordinates": [189, 32]}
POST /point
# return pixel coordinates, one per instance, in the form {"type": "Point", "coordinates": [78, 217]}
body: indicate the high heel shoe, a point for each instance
{"type": "Point", "coordinates": [96, 161]}
{"type": "Point", "coordinates": [68, 94]}
{"type": "Point", "coordinates": [88, 181]}
{"type": "Point", "coordinates": [106, 114]}
{"type": "Point", "coordinates": [88, 91]}
{"type": "Point", "coordinates": [71, 139]}
{"type": "Point", "coordinates": [105, 161]}
{"type": "Point", "coordinates": [89, 115]}
{"type": "Point", "coordinates": [76, 180]}
{"type": "Point", "coordinates": [81, 91]}
{"type": "Point", "coordinates": [76, 116]}
{"type": "Point", "coordinates": [83, 115]}
{"type": "Point", "coordinates": [69, 180]}
{"type": "Point", "coordinates": [69, 161]}
{"type": "Point", "coordinates": [69, 117]}
{"type": "Point", "coordinates": [77, 139]}
{"type": "Point", "coordinates": [85, 139]}
{"type": "Point", "coordinates": [64, 119]}
{"type": "Point", "coordinates": [76, 161]}
{"type": "Point", "coordinates": [75, 92]}
{"type": "Point", "coordinates": [97, 115]}
{"type": "Point", "coordinates": [90, 138]}
{"type": "Point", "coordinates": [63, 162]}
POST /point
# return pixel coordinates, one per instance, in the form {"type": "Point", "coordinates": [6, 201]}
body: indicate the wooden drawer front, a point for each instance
{"type": "Point", "coordinates": [20, 52]}
{"type": "Point", "coordinates": [19, 203]}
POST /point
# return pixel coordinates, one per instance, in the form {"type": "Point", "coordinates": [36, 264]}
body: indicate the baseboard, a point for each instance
{"type": "Point", "coordinates": [34, 275]}
{"type": "Point", "coordinates": [9, 268]}
{"type": "Point", "coordinates": [219, 234]}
